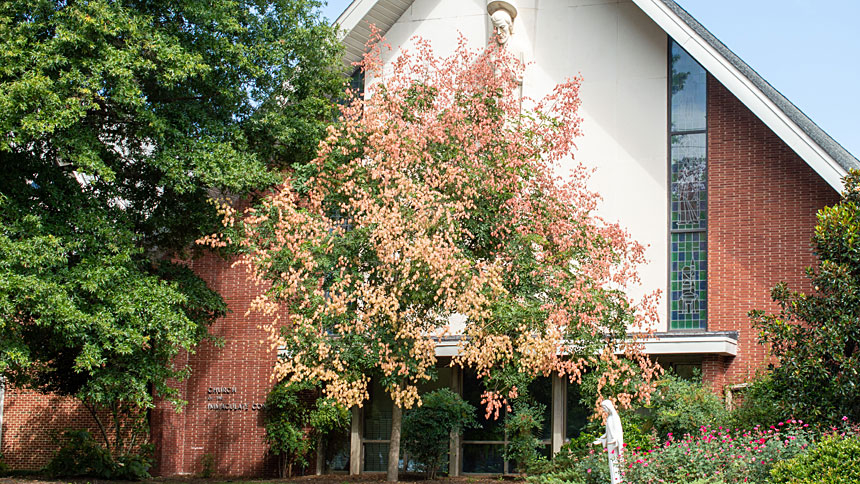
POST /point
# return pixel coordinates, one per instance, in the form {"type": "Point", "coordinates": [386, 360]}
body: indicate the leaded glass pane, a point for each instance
{"type": "Point", "coordinates": [689, 280]}
{"type": "Point", "coordinates": [689, 95]}
{"type": "Point", "coordinates": [689, 181]}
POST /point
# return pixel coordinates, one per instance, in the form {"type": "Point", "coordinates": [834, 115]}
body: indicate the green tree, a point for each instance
{"type": "Point", "coordinates": [427, 429]}
{"type": "Point", "coordinates": [437, 199]}
{"type": "Point", "coordinates": [816, 336]}
{"type": "Point", "coordinates": [296, 417]}
{"type": "Point", "coordinates": [119, 120]}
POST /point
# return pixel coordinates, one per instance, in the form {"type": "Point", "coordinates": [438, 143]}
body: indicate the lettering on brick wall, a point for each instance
{"type": "Point", "coordinates": [215, 400]}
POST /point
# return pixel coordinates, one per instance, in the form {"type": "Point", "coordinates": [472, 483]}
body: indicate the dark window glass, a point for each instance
{"type": "Point", "coordinates": [483, 458]}
{"type": "Point", "coordinates": [337, 452]}
{"type": "Point", "coordinates": [541, 390]}
{"type": "Point", "coordinates": [577, 412]}
{"type": "Point", "coordinates": [689, 96]}
{"type": "Point", "coordinates": [492, 429]}
{"type": "Point", "coordinates": [377, 413]}
{"type": "Point", "coordinates": [375, 457]}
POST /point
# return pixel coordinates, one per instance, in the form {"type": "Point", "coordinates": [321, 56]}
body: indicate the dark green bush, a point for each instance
{"type": "Point", "coordinates": [588, 467]}
{"type": "Point", "coordinates": [427, 429]}
{"type": "Point", "coordinates": [286, 418]}
{"type": "Point", "coordinates": [758, 404]}
{"type": "Point", "coordinates": [3, 467]}
{"type": "Point", "coordinates": [521, 425]}
{"type": "Point", "coordinates": [682, 406]}
{"type": "Point", "coordinates": [297, 418]}
{"type": "Point", "coordinates": [834, 460]}
{"type": "Point", "coordinates": [80, 455]}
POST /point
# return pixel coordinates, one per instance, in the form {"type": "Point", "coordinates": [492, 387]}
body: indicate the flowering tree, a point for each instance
{"type": "Point", "coordinates": [436, 195]}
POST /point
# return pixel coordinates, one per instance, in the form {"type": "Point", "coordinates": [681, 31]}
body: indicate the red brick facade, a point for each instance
{"type": "Point", "coordinates": [32, 423]}
{"type": "Point", "coordinates": [233, 437]}
{"type": "Point", "coordinates": [762, 204]}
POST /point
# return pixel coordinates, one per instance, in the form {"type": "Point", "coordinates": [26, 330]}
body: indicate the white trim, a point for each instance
{"type": "Point", "coordinates": [354, 13]}
{"type": "Point", "coordinates": [699, 344]}
{"type": "Point", "coordinates": [750, 95]}
{"type": "Point", "coordinates": [672, 344]}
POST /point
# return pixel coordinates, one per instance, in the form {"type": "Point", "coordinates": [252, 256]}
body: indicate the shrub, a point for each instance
{"type": "Point", "coordinates": [3, 467]}
{"type": "Point", "coordinates": [745, 456]}
{"type": "Point", "coordinates": [759, 404]}
{"type": "Point", "coordinates": [835, 459]}
{"type": "Point", "coordinates": [81, 455]}
{"type": "Point", "coordinates": [289, 418]}
{"type": "Point", "coordinates": [286, 418]}
{"type": "Point", "coordinates": [682, 406]}
{"type": "Point", "coordinates": [589, 467]}
{"type": "Point", "coordinates": [427, 429]}
{"type": "Point", "coordinates": [521, 425]}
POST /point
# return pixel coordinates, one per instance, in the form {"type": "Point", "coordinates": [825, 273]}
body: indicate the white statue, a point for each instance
{"type": "Point", "coordinates": [612, 440]}
{"type": "Point", "coordinates": [502, 15]}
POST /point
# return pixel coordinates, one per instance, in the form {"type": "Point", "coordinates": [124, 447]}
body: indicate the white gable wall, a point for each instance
{"type": "Point", "coordinates": [622, 55]}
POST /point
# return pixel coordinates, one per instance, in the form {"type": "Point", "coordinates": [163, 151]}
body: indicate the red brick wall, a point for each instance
{"type": "Point", "coordinates": [33, 423]}
{"type": "Point", "coordinates": [233, 438]}
{"type": "Point", "coordinates": [762, 204]}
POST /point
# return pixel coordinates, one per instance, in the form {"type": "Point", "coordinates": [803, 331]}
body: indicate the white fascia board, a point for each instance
{"type": "Point", "coordinates": [691, 345]}
{"type": "Point", "coordinates": [354, 13]}
{"type": "Point", "coordinates": [698, 344]}
{"type": "Point", "coordinates": [752, 97]}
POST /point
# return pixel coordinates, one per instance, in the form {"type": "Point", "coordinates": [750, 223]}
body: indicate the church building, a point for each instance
{"type": "Point", "coordinates": [694, 153]}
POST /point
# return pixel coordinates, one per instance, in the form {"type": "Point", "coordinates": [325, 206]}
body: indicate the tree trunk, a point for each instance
{"type": "Point", "coordinates": [320, 455]}
{"type": "Point", "coordinates": [394, 446]}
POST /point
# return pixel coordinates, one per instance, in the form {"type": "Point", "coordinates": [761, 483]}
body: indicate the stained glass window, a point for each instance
{"type": "Point", "coordinates": [688, 192]}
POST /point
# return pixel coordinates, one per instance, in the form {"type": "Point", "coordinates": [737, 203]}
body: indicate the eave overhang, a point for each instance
{"type": "Point", "coordinates": [821, 152]}
{"type": "Point", "coordinates": [717, 343]}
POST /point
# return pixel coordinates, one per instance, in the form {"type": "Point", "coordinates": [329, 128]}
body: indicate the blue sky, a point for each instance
{"type": "Point", "coordinates": [807, 49]}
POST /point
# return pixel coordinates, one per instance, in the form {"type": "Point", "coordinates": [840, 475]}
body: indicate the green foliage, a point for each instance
{"type": "Point", "coordinates": [760, 405]}
{"type": "Point", "coordinates": [427, 429]}
{"type": "Point", "coordinates": [520, 426]}
{"type": "Point", "coordinates": [81, 455]}
{"type": "Point", "coordinates": [833, 460]}
{"type": "Point", "coordinates": [328, 417]}
{"type": "Point", "coordinates": [682, 406]}
{"type": "Point", "coordinates": [742, 456]}
{"type": "Point", "coordinates": [815, 336]}
{"type": "Point", "coordinates": [120, 121]}
{"type": "Point", "coordinates": [207, 466]}
{"type": "Point", "coordinates": [288, 417]}
{"type": "Point", "coordinates": [3, 467]}
{"type": "Point", "coordinates": [589, 467]}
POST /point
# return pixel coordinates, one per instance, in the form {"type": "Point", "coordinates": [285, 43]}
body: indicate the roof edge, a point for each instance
{"type": "Point", "coordinates": [820, 151]}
